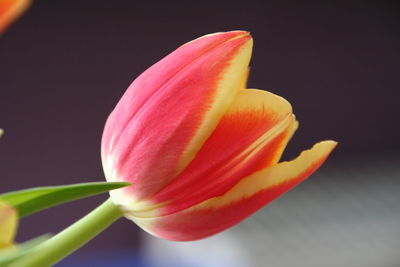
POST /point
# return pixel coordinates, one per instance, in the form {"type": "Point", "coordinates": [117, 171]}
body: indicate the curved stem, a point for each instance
{"type": "Point", "coordinates": [72, 238]}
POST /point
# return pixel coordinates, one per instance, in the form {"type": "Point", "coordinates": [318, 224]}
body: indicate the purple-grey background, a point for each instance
{"type": "Point", "coordinates": [65, 64]}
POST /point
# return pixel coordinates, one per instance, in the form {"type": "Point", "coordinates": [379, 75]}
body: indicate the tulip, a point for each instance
{"type": "Point", "coordinates": [201, 151]}
{"type": "Point", "coordinates": [8, 225]}
{"type": "Point", "coordinates": [10, 10]}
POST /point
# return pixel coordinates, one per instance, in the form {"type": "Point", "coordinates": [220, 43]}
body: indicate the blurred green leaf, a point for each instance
{"type": "Point", "coordinates": [32, 200]}
{"type": "Point", "coordinates": [9, 255]}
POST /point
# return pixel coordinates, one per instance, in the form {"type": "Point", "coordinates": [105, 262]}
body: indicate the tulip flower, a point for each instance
{"type": "Point", "coordinates": [10, 10]}
{"type": "Point", "coordinates": [8, 225]}
{"type": "Point", "coordinates": [201, 151]}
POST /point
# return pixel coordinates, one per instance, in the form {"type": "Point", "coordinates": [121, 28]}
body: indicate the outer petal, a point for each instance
{"type": "Point", "coordinates": [8, 225]}
{"type": "Point", "coordinates": [250, 136]}
{"type": "Point", "coordinates": [170, 110]}
{"type": "Point", "coordinates": [249, 195]}
{"type": "Point", "coordinates": [10, 10]}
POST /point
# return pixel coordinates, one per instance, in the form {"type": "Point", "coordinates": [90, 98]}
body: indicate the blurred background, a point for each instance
{"type": "Point", "coordinates": [65, 64]}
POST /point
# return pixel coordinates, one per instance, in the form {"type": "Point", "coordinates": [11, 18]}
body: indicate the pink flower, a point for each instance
{"type": "Point", "coordinates": [200, 150]}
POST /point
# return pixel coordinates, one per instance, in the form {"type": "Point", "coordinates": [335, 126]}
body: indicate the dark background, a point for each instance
{"type": "Point", "coordinates": [65, 64]}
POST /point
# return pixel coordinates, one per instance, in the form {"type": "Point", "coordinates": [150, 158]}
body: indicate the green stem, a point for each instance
{"type": "Point", "coordinates": [72, 238]}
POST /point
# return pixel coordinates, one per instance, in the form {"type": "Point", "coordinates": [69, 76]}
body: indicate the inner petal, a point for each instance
{"type": "Point", "coordinates": [249, 137]}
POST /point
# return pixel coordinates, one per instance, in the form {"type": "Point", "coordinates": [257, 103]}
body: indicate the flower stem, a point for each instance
{"type": "Point", "coordinates": [72, 238]}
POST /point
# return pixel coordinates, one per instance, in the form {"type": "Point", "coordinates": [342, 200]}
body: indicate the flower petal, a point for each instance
{"type": "Point", "coordinates": [182, 98]}
{"type": "Point", "coordinates": [249, 195]}
{"type": "Point", "coordinates": [8, 225]}
{"type": "Point", "coordinates": [250, 136]}
{"type": "Point", "coordinates": [10, 10]}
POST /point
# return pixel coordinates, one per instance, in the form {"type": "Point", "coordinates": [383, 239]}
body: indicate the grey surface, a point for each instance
{"type": "Point", "coordinates": [347, 214]}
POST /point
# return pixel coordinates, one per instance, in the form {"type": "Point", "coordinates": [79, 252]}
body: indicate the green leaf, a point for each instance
{"type": "Point", "coordinates": [9, 255]}
{"type": "Point", "coordinates": [32, 200]}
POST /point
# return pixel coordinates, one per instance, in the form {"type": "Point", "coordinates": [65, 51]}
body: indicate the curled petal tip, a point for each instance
{"type": "Point", "coordinates": [230, 35]}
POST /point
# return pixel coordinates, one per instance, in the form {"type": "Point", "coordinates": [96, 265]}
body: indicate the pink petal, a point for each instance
{"type": "Point", "coordinates": [170, 110]}
{"type": "Point", "coordinates": [248, 196]}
